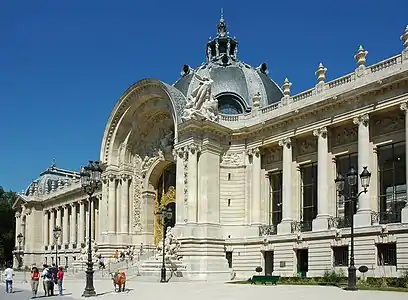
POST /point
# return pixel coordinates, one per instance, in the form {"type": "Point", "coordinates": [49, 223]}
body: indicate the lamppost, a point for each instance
{"type": "Point", "coordinates": [164, 214]}
{"type": "Point", "coordinates": [20, 238]}
{"type": "Point", "coordinates": [90, 181]}
{"type": "Point", "coordinates": [352, 177]}
{"type": "Point", "coordinates": [57, 234]}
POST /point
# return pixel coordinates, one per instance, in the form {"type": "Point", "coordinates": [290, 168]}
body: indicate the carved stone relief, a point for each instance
{"type": "Point", "coordinates": [137, 193]}
{"type": "Point", "coordinates": [344, 135]}
{"type": "Point", "coordinates": [271, 155]}
{"type": "Point", "coordinates": [232, 159]}
{"type": "Point", "coordinates": [388, 123]}
{"type": "Point", "coordinates": [306, 145]}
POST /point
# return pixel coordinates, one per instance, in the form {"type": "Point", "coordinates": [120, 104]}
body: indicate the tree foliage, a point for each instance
{"type": "Point", "coordinates": [7, 225]}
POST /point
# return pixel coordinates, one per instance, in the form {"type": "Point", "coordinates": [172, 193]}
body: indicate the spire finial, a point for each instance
{"type": "Point", "coordinates": [222, 15]}
{"type": "Point", "coordinates": [222, 27]}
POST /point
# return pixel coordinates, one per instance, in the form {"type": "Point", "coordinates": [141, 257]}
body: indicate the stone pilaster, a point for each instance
{"type": "Point", "coordinates": [46, 228]}
{"type": "Point", "coordinates": [59, 217]}
{"type": "Point", "coordinates": [81, 223]}
{"type": "Point", "coordinates": [209, 184]}
{"type": "Point", "coordinates": [112, 204]}
{"type": "Point", "coordinates": [287, 211]}
{"type": "Point", "coordinates": [404, 108]}
{"type": "Point", "coordinates": [192, 180]}
{"type": "Point", "coordinates": [124, 209]}
{"type": "Point", "coordinates": [363, 216]}
{"type": "Point", "coordinates": [256, 187]}
{"type": "Point", "coordinates": [321, 221]}
{"type": "Point", "coordinates": [73, 225]}
{"type": "Point", "coordinates": [181, 186]}
{"type": "Point", "coordinates": [65, 232]}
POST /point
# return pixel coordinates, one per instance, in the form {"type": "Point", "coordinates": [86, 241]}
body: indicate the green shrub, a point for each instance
{"type": "Point", "coordinates": [333, 276]}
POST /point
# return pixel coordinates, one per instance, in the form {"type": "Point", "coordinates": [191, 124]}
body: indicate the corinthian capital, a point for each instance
{"type": "Point", "coordinates": [320, 132]}
{"type": "Point", "coordinates": [287, 142]}
{"type": "Point", "coordinates": [254, 151]}
{"type": "Point", "coordinates": [363, 120]}
{"type": "Point", "coordinates": [193, 148]}
{"type": "Point", "coordinates": [404, 107]}
{"type": "Point", "coordinates": [112, 177]}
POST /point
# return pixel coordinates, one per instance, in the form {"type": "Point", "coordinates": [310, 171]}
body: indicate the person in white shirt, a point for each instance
{"type": "Point", "coordinates": [8, 273]}
{"type": "Point", "coordinates": [46, 280]}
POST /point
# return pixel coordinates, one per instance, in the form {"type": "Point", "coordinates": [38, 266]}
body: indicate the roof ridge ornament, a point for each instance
{"type": "Point", "coordinates": [222, 26]}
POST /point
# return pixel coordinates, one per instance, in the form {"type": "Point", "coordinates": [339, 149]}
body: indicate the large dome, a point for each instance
{"type": "Point", "coordinates": [235, 82]}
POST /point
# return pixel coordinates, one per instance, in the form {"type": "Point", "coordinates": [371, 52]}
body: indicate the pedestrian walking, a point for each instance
{"type": "Point", "coordinates": [8, 273]}
{"type": "Point", "coordinates": [60, 278]}
{"type": "Point", "coordinates": [35, 280]}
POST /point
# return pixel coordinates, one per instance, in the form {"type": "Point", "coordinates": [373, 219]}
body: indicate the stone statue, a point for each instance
{"type": "Point", "coordinates": [202, 104]}
{"type": "Point", "coordinates": [171, 245]}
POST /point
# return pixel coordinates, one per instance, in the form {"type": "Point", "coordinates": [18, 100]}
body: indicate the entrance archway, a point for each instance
{"type": "Point", "coordinates": [165, 197]}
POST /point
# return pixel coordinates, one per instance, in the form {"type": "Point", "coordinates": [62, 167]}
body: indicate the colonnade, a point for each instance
{"type": "Point", "coordinates": [324, 178]}
{"type": "Point", "coordinates": [73, 219]}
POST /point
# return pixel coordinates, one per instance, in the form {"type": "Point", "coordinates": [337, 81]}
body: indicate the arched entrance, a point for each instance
{"type": "Point", "coordinates": [165, 197]}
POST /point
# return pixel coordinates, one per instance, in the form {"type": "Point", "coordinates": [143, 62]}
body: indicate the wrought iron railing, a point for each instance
{"type": "Point", "coordinates": [339, 222]}
{"type": "Point", "coordinates": [265, 230]}
{"type": "Point", "coordinates": [302, 226]}
{"type": "Point", "coordinates": [386, 217]}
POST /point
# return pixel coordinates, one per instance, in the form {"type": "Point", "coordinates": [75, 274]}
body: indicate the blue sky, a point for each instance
{"type": "Point", "coordinates": [64, 64]}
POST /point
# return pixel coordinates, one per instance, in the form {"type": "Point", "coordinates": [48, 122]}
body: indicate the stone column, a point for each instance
{"type": "Point", "coordinates": [59, 218]}
{"type": "Point", "coordinates": [404, 108]}
{"type": "Point", "coordinates": [363, 216]}
{"type": "Point", "coordinates": [52, 225]}
{"type": "Point", "coordinates": [46, 228]}
{"type": "Point", "coordinates": [65, 232]}
{"type": "Point", "coordinates": [73, 227]}
{"type": "Point", "coordinates": [192, 181]}
{"type": "Point", "coordinates": [124, 209]}
{"type": "Point", "coordinates": [181, 188]}
{"type": "Point", "coordinates": [18, 226]}
{"type": "Point", "coordinates": [287, 214]}
{"type": "Point", "coordinates": [103, 207]}
{"type": "Point", "coordinates": [112, 204]}
{"type": "Point", "coordinates": [81, 223]}
{"type": "Point", "coordinates": [321, 221]}
{"type": "Point", "coordinates": [256, 187]}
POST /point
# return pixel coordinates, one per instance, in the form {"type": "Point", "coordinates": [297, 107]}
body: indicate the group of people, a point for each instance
{"type": "Point", "coordinates": [50, 277]}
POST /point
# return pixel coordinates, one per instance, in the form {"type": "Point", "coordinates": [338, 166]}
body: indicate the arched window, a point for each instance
{"type": "Point", "coordinates": [229, 105]}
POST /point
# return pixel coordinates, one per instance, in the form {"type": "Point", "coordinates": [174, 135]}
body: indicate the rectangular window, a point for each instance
{"type": "Point", "coordinates": [387, 254]}
{"type": "Point", "coordinates": [309, 195]}
{"type": "Point", "coordinates": [392, 182]}
{"type": "Point", "coordinates": [340, 256]}
{"type": "Point", "coordinates": [275, 198]}
{"type": "Point", "coordinates": [345, 207]}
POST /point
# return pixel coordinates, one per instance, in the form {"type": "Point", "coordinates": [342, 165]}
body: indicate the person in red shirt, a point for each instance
{"type": "Point", "coordinates": [60, 278]}
{"type": "Point", "coordinates": [35, 279]}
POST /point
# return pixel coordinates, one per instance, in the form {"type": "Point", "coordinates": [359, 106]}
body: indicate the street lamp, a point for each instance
{"type": "Point", "coordinates": [90, 181]}
{"type": "Point", "coordinates": [57, 234]}
{"type": "Point", "coordinates": [20, 238]}
{"type": "Point", "coordinates": [164, 214]}
{"type": "Point", "coordinates": [352, 177]}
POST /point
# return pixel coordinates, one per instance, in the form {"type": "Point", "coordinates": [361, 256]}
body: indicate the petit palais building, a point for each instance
{"type": "Point", "coordinates": [247, 168]}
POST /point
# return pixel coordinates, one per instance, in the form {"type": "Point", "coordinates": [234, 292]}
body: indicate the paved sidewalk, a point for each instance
{"type": "Point", "coordinates": [202, 290]}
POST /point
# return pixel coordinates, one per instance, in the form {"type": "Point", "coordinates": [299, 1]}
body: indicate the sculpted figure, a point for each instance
{"type": "Point", "coordinates": [202, 104]}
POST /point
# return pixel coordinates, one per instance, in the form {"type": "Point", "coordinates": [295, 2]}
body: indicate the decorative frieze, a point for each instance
{"type": "Point", "coordinates": [388, 123]}
{"type": "Point", "coordinates": [306, 145]}
{"type": "Point", "coordinates": [343, 135]}
{"type": "Point", "coordinates": [271, 155]}
{"type": "Point", "coordinates": [232, 159]}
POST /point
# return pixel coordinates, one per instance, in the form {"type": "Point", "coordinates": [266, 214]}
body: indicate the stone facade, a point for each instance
{"type": "Point", "coordinates": [254, 182]}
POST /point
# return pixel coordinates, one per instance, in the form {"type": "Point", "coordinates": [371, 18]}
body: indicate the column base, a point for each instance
{"type": "Point", "coordinates": [404, 215]}
{"type": "Point", "coordinates": [362, 219]}
{"type": "Point", "coordinates": [285, 227]}
{"type": "Point", "coordinates": [321, 223]}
